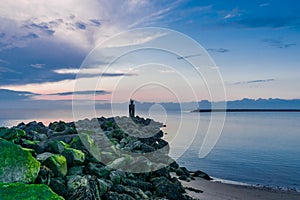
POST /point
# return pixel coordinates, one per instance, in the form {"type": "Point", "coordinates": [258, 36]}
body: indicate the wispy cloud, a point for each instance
{"type": "Point", "coordinates": [91, 72]}
{"type": "Point", "coordinates": [37, 66]}
{"type": "Point", "coordinates": [254, 81]}
{"type": "Point", "coordinates": [156, 15]}
{"type": "Point", "coordinates": [264, 4]}
{"type": "Point", "coordinates": [85, 92]}
{"type": "Point", "coordinates": [278, 43]}
{"type": "Point", "coordinates": [233, 13]}
{"type": "Point", "coordinates": [218, 50]}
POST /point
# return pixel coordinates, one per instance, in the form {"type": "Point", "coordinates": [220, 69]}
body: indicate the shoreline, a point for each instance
{"type": "Point", "coordinates": [217, 190]}
{"type": "Point", "coordinates": [276, 188]}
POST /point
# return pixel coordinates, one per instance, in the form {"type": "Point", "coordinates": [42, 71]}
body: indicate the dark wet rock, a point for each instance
{"type": "Point", "coordinates": [22, 191]}
{"type": "Point", "coordinates": [86, 187]}
{"type": "Point", "coordinates": [117, 176]}
{"type": "Point", "coordinates": [145, 186]}
{"type": "Point", "coordinates": [73, 156]}
{"type": "Point", "coordinates": [11, 134]}
{"type": "Point", "coordinates": [116, 196]}
{"type": "Point", "coordinates": [58, 185]}
{"type": "Point", "coordinates": [56, 146]}
{"type": "Point", "coordinates": [17, 164]}
{"type": "Point", "coordinates": [184, 177]}
{"type": "Point", "coordinates": [98, 170]}
{"type": "Point", "coordinates": [75, 170]}
{"type": "Point", "coordinates": [201, 174]}
{"type": "Point", "coordinates": [58, 126]}
{"type": "Point", "coordinates": [43, 156]}
{"type": "Point", "coordinates": [65, 138]}
{"type": "Point", "coordinates": [57, 164]}
{"type": "Point", "coordinates": [135, 192]}
{"type": "Point", "coordinates": [167, 189]}
{"type": "Point", "coordinates": [44, 176]}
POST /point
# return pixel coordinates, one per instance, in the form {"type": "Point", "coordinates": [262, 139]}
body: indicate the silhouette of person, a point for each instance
{"type": "Point", "coordinates": [131, 108]}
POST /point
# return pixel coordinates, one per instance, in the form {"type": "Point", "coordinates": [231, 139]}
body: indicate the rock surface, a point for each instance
{"type": "Point", "coordinates": [16, 164]}
{"type": "Point", "coordinates": [22, 191]}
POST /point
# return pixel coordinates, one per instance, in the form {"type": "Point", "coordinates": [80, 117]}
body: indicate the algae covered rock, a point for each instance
{"type": "Point", "coordinates": [74, 156]}
{"type": "Point", "coordinates": [16, 164]}
{"type": "Point", "coordinates": [11, 133]}
{"type": "Point", "coordinates": [57, 164]}
{"type": "Point", "coordinates": [27, 192]}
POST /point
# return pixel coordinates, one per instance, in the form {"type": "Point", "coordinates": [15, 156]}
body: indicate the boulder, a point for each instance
{"type": "Point", "coordinates": [57, 164]}
{"type": "Point", "coordinates": [43, 156]}
{"type": "Point", "coordinates": [73, 156]}
{"type": "Point", "coordinates": [27, 192]}
{"type": "Point", "coordinates": [58, 185]}
{"type": "Point", "coordinates": [16, 164]}
{"type": "Point", "coordinates": [55, 146]}
{"type": "Point", "coordinates": [44, 176]}
{"type": "Point", "coordinates": [11, 133]}
{"type": "Point", "coordinates": [98, 170]}
{"type": "Point", "coordinates": [86, 187]}
{"type": "Point", "coordinates": [115, 196]}
{"type": "Point", "coordinates": [85, 143]}
{"type": "Point", "coordinates": [167, 189]}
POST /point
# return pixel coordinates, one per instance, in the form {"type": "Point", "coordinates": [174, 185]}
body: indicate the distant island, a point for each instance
{"type": "Point", "coordinates": [246, 110]}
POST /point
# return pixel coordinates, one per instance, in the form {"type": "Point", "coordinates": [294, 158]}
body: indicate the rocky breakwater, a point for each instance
{"type": "Point", "coordinates": [102, 158]}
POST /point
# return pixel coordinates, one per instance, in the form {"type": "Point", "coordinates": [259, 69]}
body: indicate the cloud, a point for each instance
{"type": "Point", "coordinates": [85, 92]}
{"type": "Point", "coordinates": [80, 25]}
{"type": "Point", "coordinates": [254, 81]}
{"type": "Point", "coordinates": [44, 27]}
{"type": "Point", "coordinates": [90, 72]}
{"type": "Point", "coordinates": [278, 43]}
{"type": "Point", "coordinates": [11, 95]}
{"type": "Point", "coordinates": [95, 22]}
{"type": "Point", "coordinates": [264, 4]}
{"type": "Point", "coordinates": [218, 50]}
{"type": "Point", "coordinates": [234, 13]}
{"type": "Point", "coordinates": [37, 66]}
{"type": "Point", "coordinates": [156, 15]}
{"type": "Point", "coordinates": [5, 69]}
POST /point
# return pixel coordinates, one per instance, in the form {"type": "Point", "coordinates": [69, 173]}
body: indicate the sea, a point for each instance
{"type": "Point", "coordinates": [255, 148]}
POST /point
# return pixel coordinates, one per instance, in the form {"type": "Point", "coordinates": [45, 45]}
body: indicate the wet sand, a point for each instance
{"type": "Point", "coordinates": [223, 191]}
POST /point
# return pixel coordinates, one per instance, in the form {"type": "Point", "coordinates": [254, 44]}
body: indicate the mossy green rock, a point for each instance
{"type": "Point", "coordinates": [55, 146]}
{"type": "Point", "coordinates": [57, 164]}
{"type": "Point", "coordinates": [11, 133]}
{"type": "Point", "coordinates": [85, 143]}
{"type": "Point", "coordinates": [16, 164]}
{"type": "Point", "coordinates": [27, 192]}
{"type": "Point", "coordinates": [74, 156]}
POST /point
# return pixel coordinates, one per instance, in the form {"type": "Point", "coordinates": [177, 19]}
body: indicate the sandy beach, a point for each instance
{"type": "Point", "coordinates": [223, 191]}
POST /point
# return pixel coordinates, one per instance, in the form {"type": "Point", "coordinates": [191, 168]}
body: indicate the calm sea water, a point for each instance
{"type": "Point", "coordinates": [254, 148]}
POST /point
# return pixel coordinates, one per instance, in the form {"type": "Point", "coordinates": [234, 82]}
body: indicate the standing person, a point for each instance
{"type": "Point", "coordinates": [131, 108]}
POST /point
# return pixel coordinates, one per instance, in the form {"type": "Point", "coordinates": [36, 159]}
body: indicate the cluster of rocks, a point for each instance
{"type": "Point", "coordinates": [90, 159]}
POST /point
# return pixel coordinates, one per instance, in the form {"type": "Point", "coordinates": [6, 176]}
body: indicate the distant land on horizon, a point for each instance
{"type": "Point", "coordinates": [205, 104]}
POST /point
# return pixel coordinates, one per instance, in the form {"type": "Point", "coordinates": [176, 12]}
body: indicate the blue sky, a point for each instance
{"type": "Point", "coordinates": [255, 44]}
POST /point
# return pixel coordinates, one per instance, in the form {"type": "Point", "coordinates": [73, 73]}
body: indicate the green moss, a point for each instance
{"type": "Point", "coordinates": [16, 164]}
{"type": "Point", "coordinates": [11, 133]}
{"type": "Point", "coordinates": [22, 191]}
{"type": "Point", "coordinates": [57, 164]}
{"type": "Point", "coordinates": [74, 156]}
{"type": "Point", "coordinates": [55, 146]}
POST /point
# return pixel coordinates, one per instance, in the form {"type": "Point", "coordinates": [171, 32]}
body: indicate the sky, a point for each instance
{"type": "Point", "coordinates": [254, 46]}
